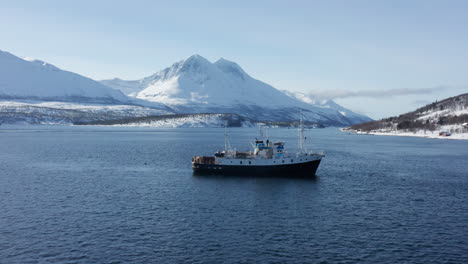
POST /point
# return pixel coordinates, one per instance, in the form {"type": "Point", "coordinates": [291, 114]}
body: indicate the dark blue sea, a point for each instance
{"type": "Point", "coordinates": [127, 195]}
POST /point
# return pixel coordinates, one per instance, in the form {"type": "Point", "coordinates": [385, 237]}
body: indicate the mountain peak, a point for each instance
{"type": "Point", "coordinates": [223, 61]}
{"type": "Point", "coordinates": [194, 63]}
{"type": "Point", "coordinates": [196, 59]}
{"type": "Point", "coordinates": [196, 56]}
{"type": "Point", "coordinates": [230, 67]}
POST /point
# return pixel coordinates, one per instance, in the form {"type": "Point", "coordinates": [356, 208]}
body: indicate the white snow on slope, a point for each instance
{"type": "Point", "coordinates": [434, 115]}
{"type": "Point", "coordinates": [200, 120]}
{"type": "Point", "coordinates": [35, 79]}
{"type": "Point", "coordinates": [125, 110]}
{"type": "Point", "coordinates": [40, 112]}
{"type": "Point", "coordinates": [420, 133]}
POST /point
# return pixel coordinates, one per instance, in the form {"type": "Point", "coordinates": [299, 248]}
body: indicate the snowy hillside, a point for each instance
{"type": "Point", "coordinates": [40, 112]}
{"type": "Point", "coordinates": [196, 85]}
{"type": "Point", "coordinates": [180, 120]}
{"type": "Point", "coordinates": [35, 79]}
{"type": "Point", "coordinates": [449, 115]}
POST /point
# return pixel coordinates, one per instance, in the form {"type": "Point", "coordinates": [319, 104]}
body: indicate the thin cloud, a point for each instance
{"type": "Point", "coordinates": [338, 94]}
{"type": "Point", "coordinates": [421, 102]}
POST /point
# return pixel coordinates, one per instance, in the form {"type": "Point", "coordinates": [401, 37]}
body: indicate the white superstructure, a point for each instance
{"type": "Point", "coordinates": [266, 152]}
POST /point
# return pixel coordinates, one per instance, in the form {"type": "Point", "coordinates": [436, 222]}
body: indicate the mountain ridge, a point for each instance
{"type": "Point", "coordinates": [190, 86]}
{"type": "Point", "coordinates": [195, 85]}
{"type": "Point", "coordinates": [35, 79]}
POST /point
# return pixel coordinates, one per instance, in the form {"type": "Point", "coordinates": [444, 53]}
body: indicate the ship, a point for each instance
{"type": "Point", "coordinates": [268, 158]}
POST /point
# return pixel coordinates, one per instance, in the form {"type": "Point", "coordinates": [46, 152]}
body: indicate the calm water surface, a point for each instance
{"type": "Point", "coordinates": [122, 195]}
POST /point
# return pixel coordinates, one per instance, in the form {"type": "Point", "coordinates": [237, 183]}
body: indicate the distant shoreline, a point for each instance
{"type": "Point", "coordinates": [419, 133]}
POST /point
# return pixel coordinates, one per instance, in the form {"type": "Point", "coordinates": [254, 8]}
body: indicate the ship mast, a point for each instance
{"type": "Point", "coordinates": [301, 138]}
{"type": "Point", "coordinates": [227, 145]}
{"type": "Point", "coordinates": [262, 132]}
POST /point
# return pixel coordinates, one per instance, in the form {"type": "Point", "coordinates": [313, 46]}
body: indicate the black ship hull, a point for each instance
{"type": "Point", "coordinates": [305, 169]}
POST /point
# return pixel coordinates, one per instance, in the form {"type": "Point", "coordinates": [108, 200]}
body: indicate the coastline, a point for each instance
{"type": "Point", "coordinates": [419, 133]}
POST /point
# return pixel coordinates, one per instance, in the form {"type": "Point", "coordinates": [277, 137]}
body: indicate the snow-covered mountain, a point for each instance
{"type": "Point", "coordinates": [196, 85]}
{"type": "Point", "coordinates": [35, 79]}
{"type": "Point", "coordinates": [328, 103]}
{"type": "Point", "coordinates": [191, 86]}
{"type": "Point", "coordinates": [35, 92]}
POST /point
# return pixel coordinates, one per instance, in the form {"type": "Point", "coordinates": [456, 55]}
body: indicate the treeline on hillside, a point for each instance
{"type": "Point", "coordinates": [41, 115]}
{"type": "Point", "coordinates": [408, 122]}
{"type": "Point", "coordinates": [292, 124]}
{"type": "Point", "coordinates": [460, 101]}
{"type": "Point", "coordinates": [232, 120]}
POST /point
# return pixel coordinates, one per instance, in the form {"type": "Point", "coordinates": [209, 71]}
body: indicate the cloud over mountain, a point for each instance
{"type": "Point", "coordinates": [337, 93]}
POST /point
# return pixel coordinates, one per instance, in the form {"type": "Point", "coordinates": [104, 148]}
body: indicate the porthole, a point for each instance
{"type": "Point", "coordinates": [292, 160]}
{"type": "Point", "coordinates": [250, 162]}
{"type": "Point", "coordinates": [283, 161]}
{"type": "Point", "coordinates": [240, 162]}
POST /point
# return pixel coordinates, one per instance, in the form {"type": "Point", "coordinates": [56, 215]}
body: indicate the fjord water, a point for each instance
{"type": "Point", "coordinates": [127, 195]}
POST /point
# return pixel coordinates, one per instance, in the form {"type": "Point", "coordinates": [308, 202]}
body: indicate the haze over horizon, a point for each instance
{"type": "Point", "coordinates": [377, 58]}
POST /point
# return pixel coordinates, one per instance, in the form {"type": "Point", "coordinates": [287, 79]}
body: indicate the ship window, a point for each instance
{"type": "Point", "coordinates": [240, 162]}
{"type": "Point", "coordinates": [274, 161]}
{"type": "Point", "coordinates": [292, 160]}
{"type": "Point", "coordinates": [250, 162]}
{"type": "Point", "coordinates": [283, 161]}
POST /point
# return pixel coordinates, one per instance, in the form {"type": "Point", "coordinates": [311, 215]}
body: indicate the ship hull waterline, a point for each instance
{"type": "Point", "coordinates": [305, 169]}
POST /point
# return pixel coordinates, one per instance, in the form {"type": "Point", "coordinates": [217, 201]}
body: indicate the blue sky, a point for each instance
{"type": "Point", "coordinates": [364, 54]}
